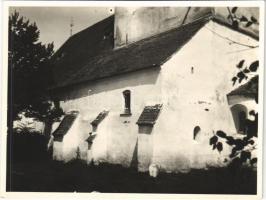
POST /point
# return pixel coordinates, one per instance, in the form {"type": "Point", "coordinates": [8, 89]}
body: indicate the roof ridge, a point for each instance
{"type": "Point", "coordinates": [92, 26]}
{"type": "Point", "coordinates": [83, 30]}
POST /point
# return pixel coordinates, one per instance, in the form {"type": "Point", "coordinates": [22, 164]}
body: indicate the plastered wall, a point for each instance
{"type": "Point", "coordinates": [190, 98]}
{"type": "Point", "coordinates": [134, 23]}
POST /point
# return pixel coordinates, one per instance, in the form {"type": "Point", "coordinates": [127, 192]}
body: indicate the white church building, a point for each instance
{"type": "Point", "coordinates": [150, 86]}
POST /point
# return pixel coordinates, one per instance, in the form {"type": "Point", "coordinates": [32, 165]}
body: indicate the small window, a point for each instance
{"type": "Point", "coordinates": [196, 131]}
{"type": "Point", "coordinates": [127, 99]}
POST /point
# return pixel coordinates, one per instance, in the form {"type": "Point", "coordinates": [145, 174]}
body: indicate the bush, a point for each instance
{"type": "Point", "coordinates": [26, 146]}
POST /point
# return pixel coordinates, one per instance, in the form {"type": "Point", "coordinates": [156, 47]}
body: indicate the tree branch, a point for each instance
{"type": "Point", "coordinates": [230, 14]}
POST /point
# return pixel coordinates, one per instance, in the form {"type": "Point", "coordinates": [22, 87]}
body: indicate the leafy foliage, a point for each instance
{"type": "Point", "coordinates": [239, 154]}
{"type": "Point", "coordinates": [29, 71]}
{"type": "Point", "coordinates": [236, 19]}
{"type": "Point", "coordinates": [24, 128]}
{"type": "Point", "coordinates": [221, 134]}
{"type": "Point", "coordinates": [26, 146]}
{"type": "Point", "coordinates": [244, 72]}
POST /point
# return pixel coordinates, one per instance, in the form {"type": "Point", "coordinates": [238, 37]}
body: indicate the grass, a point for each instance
{"type": "Point", "coordinates": [30, 169]}
{"type": "Point", "coordinates": [51, 176]}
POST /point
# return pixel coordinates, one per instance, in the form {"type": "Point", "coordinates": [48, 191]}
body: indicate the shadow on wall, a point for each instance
{"type": "Point", "coordinates": [141, 77]}
{"type": "Point", "coordinates": [134, 161]}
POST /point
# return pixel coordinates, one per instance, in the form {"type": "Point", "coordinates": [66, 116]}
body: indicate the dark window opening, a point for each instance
{"type": "Point", "coordinates": [242, 120]}
{"type": "Point", "coordinates": [239, 113]}
{"type": "Point", "coordinates": [196, 131]}
{"type": "Point", "coordinates": [127, 98]}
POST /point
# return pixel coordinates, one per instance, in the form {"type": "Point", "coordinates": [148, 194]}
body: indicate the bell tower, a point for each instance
{"type": "Point", "coordinates": [136, 23]}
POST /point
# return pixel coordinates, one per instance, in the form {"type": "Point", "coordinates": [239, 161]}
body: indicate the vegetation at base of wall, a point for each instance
{"type": "Point", "coordinates": [26, 146]}
{"type": "Point", "coordinates": [76, 176]}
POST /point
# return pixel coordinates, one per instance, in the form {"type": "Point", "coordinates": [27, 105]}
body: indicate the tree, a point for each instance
{"type": "Point", "coordinates": [29, 72]}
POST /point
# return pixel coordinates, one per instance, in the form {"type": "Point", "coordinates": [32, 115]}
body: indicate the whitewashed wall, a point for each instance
{"type": "Point", "coordinates": [184, 95]}
{"type": "Point", "coordinates": [135, 23]}
{"type": "Point", "coordinates": [116, 135]}
{"type": "Point", "coordinates": [187, 95]}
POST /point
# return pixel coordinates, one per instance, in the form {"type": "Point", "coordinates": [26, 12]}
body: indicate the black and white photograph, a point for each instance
{"type": "Point", "coordinates": [134, 99]}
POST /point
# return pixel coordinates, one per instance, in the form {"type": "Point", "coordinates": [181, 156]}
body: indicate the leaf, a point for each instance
{"type": "Point", "coordinates": [233, 153]}
{"type": "Point", "coordinates": [249, 23]}
{"type": "Point", "coordinates": [241, 75]}
{"type": "Point", "coordinates": [243, 19]}
{"type": "Point", "coordinates": [246, 70]}
{"type": "Point", "coordinates": [253, 19]}
{"type": "Point", "coordinates": [239, 144]}
{"type": "Point", "coordinates": [246, 138]}
{"type": "Point", "coordinates": [213, 140]}
{"type": "Point", "coordinates": [219, 146]}
{"type": "Point", "coordinates": [234, 9]}
{"type": "Point", "coordinates": [230, 140]}
{"type": "Point", "coordinates": [235, 24]}
{"type": "Point", "coordinates": [240, 64]}
{"type": "Point", "coordinates": [253, 161]}
{"type": "Point", "coordinates": [254, 66]}
{"type": "Point", "coordinates": [245, 155]}
{"type": "Point", "coordinates": [252, 112]}
{"type": "Point", "coordinates": [251, 142]}
{"type": "Point", "coordinates": [221, 134]}
{"type": "Point", "coordinates": [234, 79]}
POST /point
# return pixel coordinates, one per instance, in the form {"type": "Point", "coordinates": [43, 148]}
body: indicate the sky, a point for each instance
{"type": "Point", "coordinates": [54, 22]}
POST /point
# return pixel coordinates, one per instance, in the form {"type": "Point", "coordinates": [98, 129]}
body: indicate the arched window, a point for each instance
{"type": "Point", "coordinates": [239, 113]}
{"type": "Point", "coordinates": [127, 98]}
{"type": "Point", "coordinates": [196, 131]}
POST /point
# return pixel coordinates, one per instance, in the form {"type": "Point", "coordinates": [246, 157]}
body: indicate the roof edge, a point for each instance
{"type": "Point", "coordinates": [53, 88]}
{"type": "Point", "coordinates": [203, 19]}
{"type": "Point", "coordinates": [79, 32]}
{"type": "Point", "coordinates": [240, 30]}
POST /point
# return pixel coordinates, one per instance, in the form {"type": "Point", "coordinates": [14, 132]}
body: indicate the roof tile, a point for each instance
{"type": "Point", "coordinates": [64, 126]}
{"type": "Point", "coordinates": [149, 115]}
{"type": "Point", "coordinates": [150, 52]}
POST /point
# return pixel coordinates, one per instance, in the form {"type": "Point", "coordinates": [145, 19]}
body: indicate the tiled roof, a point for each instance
{"type": "Point", "coordinates": [97, 64]}
{"type": "Point", "coordinates": [249, 89]}
{"type": "Point", "coordinates": [99, 118]}
{"type": "Point", "coordinates": [90, 55]}
{"type": "Point", "coordinates": [149, 115]}
{"type": "Point", "coordinates": [64, 126]}
{"type": "Point", "coordinates": [80, 48]}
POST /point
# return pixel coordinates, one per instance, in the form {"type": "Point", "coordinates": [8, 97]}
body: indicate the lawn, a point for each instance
{"type": "Point", "coordinates": [51, 176]}
{"type": "Point", "coordinates": [29, 168]}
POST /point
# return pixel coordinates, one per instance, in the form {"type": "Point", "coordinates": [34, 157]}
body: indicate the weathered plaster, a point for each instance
{"type": "Point", "coordinates": [134, 23]}
{"type": "Point", "coordinates": [189, 100]}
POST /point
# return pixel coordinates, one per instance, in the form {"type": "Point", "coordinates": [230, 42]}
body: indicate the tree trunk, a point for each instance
{"type": "Point", "coordinates": [48, 128]}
